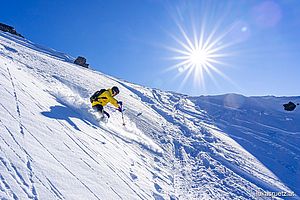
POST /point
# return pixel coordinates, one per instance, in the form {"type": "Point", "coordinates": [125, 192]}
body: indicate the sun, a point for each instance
{"type": "Point", "coordinates": [198, 57]}
{"type": "Point", "coordinates": [199, 53]}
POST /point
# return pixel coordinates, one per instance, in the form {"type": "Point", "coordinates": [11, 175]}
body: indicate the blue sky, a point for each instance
{"type": "Point", "coordinates": [133, 40]}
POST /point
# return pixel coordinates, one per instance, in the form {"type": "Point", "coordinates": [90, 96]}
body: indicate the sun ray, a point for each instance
{"type": "Point", "coordinates": [186, 37]}
{"type": "Point", "coordinates": [211, 76]}
{"type": "Point", "coordinates": [185, 46]}
{"type": "Point", "coordinates": [183, 70]}
{"type": "Point", "coordinates": [209, 38]}
{"type": "Point", "coordinates": [180, 57]}
{"type": "Point", "coordinates": [220, 47]}
{"type": "Point", "coordinates": [186, 77]}
{"type": "Point", "coordinates": [198, 79]}
{"type": "Point", "coordinates": [196, 45]}
{"type": "Point", "coordinates": [217, 40]}
{"type": "Point", "coordinates": [175, 50]}
{"type": "Point", "coordinates": [219, 72]}
{"type": "Point", "coordinates": [219, 55]}
{"type": "Point", "coordinates": [216, 62]}
{"type": "Point", "coordinates": [176, 66]}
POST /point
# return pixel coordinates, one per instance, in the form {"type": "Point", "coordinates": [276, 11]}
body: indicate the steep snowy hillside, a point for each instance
{"type": "Point", "coordinates": [172, 146]}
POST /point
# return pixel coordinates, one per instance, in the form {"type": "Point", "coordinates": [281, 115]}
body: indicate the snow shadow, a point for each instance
{"type": "Point", "coordinates": [10, 49]}
{"type": "Point", "coordinates": [64, 113]}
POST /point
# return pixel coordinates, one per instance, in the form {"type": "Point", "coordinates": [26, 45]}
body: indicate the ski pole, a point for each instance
{"type": "Point", "coordinates": [122, 115]}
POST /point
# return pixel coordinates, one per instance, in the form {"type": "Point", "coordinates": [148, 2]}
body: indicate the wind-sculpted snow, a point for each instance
{"type": "Point", "coordinates": [52, 145]}
{"type": "Point", "coordinates": [263, 128]}
{"type": "Point", "coordinates": [209, 160]}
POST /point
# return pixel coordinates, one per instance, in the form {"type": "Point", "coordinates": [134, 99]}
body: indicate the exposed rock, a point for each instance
{"type": "Point", "coordinates": [290, 106]}
{"type": "Point", "coordinates": [10, 29]}
{"type": "Point", "coordinates": [81, 61]}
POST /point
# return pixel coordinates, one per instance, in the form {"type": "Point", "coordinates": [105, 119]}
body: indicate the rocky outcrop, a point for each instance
{"type": "Point", "coordinates": [81, 61]}
{"type": "Point", "coordinates": [290, 106]}
{"type": "Point", "coordinates": [10, 29]}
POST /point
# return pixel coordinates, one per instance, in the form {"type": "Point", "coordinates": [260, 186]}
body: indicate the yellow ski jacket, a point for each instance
{"type": "Point", "coordinates": [105, 98]}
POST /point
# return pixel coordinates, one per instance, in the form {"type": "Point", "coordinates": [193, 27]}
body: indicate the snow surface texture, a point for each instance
{"type": "Point", "coordinates": [172, 146]}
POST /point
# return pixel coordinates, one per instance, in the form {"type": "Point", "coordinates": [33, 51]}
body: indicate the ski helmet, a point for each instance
{"type": "Point", "coordinates": [115, 90]}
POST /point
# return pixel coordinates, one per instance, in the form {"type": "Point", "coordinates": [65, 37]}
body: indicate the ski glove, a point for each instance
{"type": "Point", "coordinates": [120, 109]}
{"type": "Point", "coordinates": [120, 106]}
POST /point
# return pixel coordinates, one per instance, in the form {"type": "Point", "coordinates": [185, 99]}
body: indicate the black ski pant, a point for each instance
{"type": "Point", "coordinates": [99, 108]}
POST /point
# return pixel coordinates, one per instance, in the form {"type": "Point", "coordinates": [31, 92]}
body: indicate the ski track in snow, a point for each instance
{"type": "Point", "coordinates": [16, 101]}
{"type": "Point", "coordinates": [172, 147]}
{"type": "Point", "coordinates": [68, 170]}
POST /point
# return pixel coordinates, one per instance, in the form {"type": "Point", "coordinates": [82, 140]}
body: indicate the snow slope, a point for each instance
{"type": "Point", "coordinates": [172, 147]}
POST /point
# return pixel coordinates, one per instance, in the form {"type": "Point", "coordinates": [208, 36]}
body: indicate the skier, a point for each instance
{"type": "Point", "coordinates": [100, 98]}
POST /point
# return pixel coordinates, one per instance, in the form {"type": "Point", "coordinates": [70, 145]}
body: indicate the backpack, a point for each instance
{"type": "Point", "coordinates": [94, 97]}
